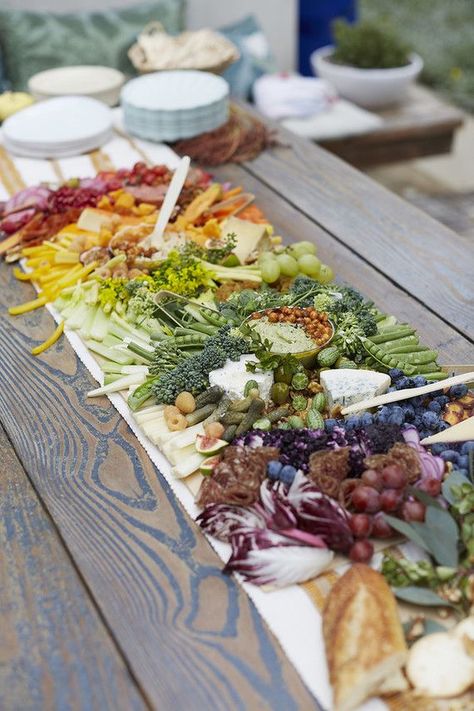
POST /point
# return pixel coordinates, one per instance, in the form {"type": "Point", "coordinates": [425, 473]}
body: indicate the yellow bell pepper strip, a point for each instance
{"type": "Point", "coordinates": [22, 276]}
{"type": "Point", "coordinates": [64, 257]}
{"type": "Point", "coordinates": [49, 341]}
{"type": "Point", "coordinates": [27, 306]}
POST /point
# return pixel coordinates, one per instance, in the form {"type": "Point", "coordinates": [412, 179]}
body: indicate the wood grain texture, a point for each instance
{"type": "Point", "coordinates": [352, 269]}
{"type": "Point", "coordinates": [55, 651]}
{"type": "Point", "coordinates": [418, 254]}
{"type": "Point", "coordinates": [190, 634]}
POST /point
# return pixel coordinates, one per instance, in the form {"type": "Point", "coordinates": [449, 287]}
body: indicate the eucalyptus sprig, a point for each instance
{"type": "Point", "coordinates": [447, 536]}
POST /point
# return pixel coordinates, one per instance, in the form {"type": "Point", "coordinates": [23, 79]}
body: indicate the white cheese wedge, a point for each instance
{"type": "Point", "coordinates": [234, 376]}
{"type": "Point", "coordinates": [346, 386]}
{"type": "Point", "coordinates": [249, 236]}
{"type": "Point", "coordinates": [92, 219]}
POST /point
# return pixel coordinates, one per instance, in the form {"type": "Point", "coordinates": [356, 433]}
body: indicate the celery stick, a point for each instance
{"type": "Point", "coordinates": [85, 329]}
{"type": "Point", "coordinates": [117, 385]}
{"type": "Point", "coordinates": [77, 316]}
{"type": "Point", "coordinates": [112, 354]}
{"type": "Point", "coordinates": [124, 369]}
{"type": "Point", "coordinates": [112, 341]}
{"type": "Point", "coordinates": [100, 326]}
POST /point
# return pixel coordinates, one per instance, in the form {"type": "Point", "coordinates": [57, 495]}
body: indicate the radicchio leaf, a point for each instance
{"type": "Point", "coordinates": [431, 467]}
{"type": "Point", "coordinates": [277, 564]}
{"type": "Point", "coordinates": [223, 521]}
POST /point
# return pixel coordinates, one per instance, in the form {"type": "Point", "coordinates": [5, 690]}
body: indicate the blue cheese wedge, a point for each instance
{"type": "Point", "coordinates": [345, 386]}
{"type": "Point", "coordinates": [234, 376]}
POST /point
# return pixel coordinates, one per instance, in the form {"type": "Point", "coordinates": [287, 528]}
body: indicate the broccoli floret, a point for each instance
{"type": "Point", "coordinates": [233, 346]}
{"type": "Point", "coordinates": [326, 301]}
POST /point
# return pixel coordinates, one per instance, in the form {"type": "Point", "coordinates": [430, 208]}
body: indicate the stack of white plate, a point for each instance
{"type": "Point", "coordinates": [101, 83]}
{"type": "Point", "coordinates": [58, 128]}
{"type": "Point", "coordinates": [168, 106]}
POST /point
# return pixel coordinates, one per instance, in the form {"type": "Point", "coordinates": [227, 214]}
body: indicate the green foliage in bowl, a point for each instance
{"type": "Point", "coordinates": [367, 45]}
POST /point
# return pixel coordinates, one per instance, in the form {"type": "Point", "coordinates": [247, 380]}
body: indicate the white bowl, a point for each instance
{"type": "Point", "coordinates": [101, 83]}
{"type": "Point", "coordinates": [367, 87]}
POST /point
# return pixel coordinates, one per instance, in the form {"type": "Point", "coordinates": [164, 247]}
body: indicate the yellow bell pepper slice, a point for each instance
{"type": "Point", "coordinates": [49, 341]}
{"type": "Point", "coordinates": [27, 306]}
{"type": "Point", "coordinates": [64, 257]}
{"type": "Point", "coordinates": [22, 276]}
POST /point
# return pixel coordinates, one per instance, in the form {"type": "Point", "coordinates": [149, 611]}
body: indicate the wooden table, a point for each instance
{"type": "Point", "coordinates": [110, 596]}
{"type": "Point", "coordinates": [422, 125]}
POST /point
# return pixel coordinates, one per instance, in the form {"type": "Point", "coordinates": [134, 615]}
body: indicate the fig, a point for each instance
{"type": "Point", "coordinates": [209, 445]}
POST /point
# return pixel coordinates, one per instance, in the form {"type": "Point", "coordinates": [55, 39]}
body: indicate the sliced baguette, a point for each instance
{"type": "Point", "coordinates": [363, 636]}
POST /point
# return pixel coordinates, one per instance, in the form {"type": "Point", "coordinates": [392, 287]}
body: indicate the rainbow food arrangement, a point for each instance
{"type": "Point", "coordinates": [316, 432]}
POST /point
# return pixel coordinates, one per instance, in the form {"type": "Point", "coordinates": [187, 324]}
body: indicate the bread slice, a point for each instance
{"type": "Point", "coordinates": [363, 636]}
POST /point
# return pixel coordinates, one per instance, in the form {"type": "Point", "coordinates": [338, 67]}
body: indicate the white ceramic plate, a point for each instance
{"type": "Point", "coordinates": [175, 90]}
{"type": "Point", "coordinates": [59, 123]}
{"type": "Point", "coordinates": [102, 83]}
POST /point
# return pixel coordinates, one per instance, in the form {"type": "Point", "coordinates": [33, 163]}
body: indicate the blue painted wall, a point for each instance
{"type": "Point", "coordinates": [315, 17]}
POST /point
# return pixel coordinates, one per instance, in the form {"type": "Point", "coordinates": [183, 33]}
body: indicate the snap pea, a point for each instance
{"type": "Point", "coordinates": [387, 359]}
{"type": "Point", "coordinates": [440, 375]}
{"type": "Point", "coordinates": [188, 341]}
{"type": "Point", "coordinates": [392, 334]}
{"type": "Point", "coordinates": [417, 358]}
{"type": "Point", "coordinates": [409, 348]}
{"type": "Point", "coordinates": [213, 317]}
{"type": "Point", "coordinates": [404, 341]}
{"type": "Point", "coordinates": [426, 368]}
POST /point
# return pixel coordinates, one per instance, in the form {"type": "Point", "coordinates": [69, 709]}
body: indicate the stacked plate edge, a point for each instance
{"type": "Point", "coordinates": [170, 105]}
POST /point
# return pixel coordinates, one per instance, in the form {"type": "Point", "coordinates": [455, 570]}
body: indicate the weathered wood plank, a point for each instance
{"type": "Point", "coordinates": [191, 636]}
{"type": "Point", "coordinates": [354, 270]}
{"type": "Point", "coordinates": [55, 652]}
{"type": "Point", "coordinates": [415, 252]}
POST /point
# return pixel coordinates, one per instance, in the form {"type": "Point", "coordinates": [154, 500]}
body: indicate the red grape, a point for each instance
{"type": "Point", "coordinates": [430, 486]}
{"type": "Point", "coordinates": [366, 499]}
{"type": "Point", "coordinates": [373, 478]}
{"type": "Point", "coordinates": [360, 525]}
{"type": "Point", "coordinates": [390, 499]}
{"type": "Point", "coordinates": [361, 551]}
{"type": "Point", "coordinates": [413, 511]}
{"type": "Point", "coordinates": [394, 477]}
{"type": "Point", "coordinates": [381, 528]}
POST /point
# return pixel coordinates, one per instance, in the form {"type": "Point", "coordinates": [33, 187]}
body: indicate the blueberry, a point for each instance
{"type": "Point", "coordinates": [395, 373]}
{"type": "Point", "coordinates": [409, 412]}
{"type": "Point", "coordinates": [442, 425]}
{"type": "Point", "coordinates": [456, 391]}
{"type": "Point", "coordinates": [367, 419]}
{"type": "Point", "coordinates": [434, 406]}
{"type": "Point", "coordinates": [352, 422]}
{"type": "Point", "coordinates": [419, 381]}
{"type": "Point", "coordinates": [402, 383]}
{"type": "Point", "coordinates": [392, 389]}
{"type": "Point", "coordinates": [449, 455]}
{"type": "Point", "coordinates": [463, 462]}
{"type": "Point", "coordinates": [417, 421]}
{"type": "Point", "coordinates": [438, 447]}
{"type": "Point", "coordinates": [430, 419]}
{"type": "Point", "coordinates": [467, 447]}
{"type": "Point", "coordinates": [273, 469]}
{"type": "Point", "coordinates": [442, 399]}
{"type": "Point", "coordinates": [330, 424]}
{"type": "Point", "coordinates": [287, 474]}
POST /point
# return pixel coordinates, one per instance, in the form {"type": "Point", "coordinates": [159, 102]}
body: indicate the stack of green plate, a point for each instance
{"type": "Point", "coordinates": [168, 106]}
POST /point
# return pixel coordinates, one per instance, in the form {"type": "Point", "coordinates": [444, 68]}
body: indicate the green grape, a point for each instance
{"type": "Point", "coordinates": [326, 274]}
{"type": "Point", "coordinates": [270, 271]}
{"type": "Point", "coordinates": [266, 257]}
{"type": "Point", "coordinates": [309, 265]}
{"type": "Point", "coordinates": [288, 265]}
{"type": "Point", "coordinates": [300, 248]}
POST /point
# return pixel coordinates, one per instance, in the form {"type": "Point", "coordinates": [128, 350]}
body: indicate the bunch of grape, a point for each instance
{"type": "Point", "coordinates": [384, 491]}
{"type": "Point", "coordinates": [141, 174]}
{"type": "Point", "coordinates": [299, 258]}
